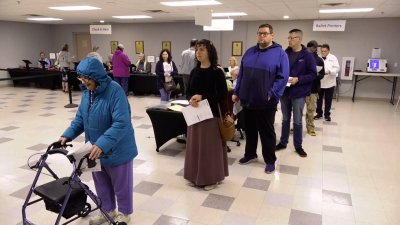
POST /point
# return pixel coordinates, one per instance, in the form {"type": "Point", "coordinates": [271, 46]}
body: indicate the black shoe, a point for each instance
{"type": "Point", "coordinates": [317, 117]}
{"type": "Point", "coordinates": [247, 160]}
{"type": "Point", "coordinates": [301, 152]}
{"type": "Point", "coordinates": [279, 146]}
{"type": "Point", "coordinates": [328, 119]}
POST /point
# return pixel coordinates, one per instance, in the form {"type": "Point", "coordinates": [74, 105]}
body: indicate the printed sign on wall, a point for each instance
{"type": "Point", "coordinates": [100, 29]}
{"type": "Point", "coordinates": [329, 25]}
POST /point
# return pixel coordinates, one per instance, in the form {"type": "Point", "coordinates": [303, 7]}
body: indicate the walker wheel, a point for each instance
{"type": "Point", "coordinates": [85, 211]}
{"type": "Point", "coordinates": [120, 223]}
{"type": "Point", "coordinates": [238, 144]}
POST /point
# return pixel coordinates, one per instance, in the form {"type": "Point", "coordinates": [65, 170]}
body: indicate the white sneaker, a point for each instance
{"type": "Point", "coordinates": [209, 187]}
{"type": "Point", "coordinates": [100, 218]}
{"type": "Point", "coordinates": [122, 218]}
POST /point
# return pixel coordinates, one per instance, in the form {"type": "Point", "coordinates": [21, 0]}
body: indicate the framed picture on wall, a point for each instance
{"type": "Point", "coordinates": [237, 47]}
{"type": "Point", "coordinates": [166, 45]}
{"type": "Point", "coordinates": [113, 45]}
{"type": "Point", "coordinates": [346, 72]}
{"type": "Point", "coordinates": [139, 47]}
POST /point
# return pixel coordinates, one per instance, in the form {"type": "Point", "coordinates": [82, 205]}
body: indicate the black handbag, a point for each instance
{"type": "Point", "coordinates": [170, 86]}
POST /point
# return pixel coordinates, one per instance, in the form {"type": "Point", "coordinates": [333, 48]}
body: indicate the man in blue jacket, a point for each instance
{"type": "Point", "coordinates": [261, 81]}
{"type": "Point", "coordinates": [105, 116]}
{"type": "Point", "coordinates": [303, 72]}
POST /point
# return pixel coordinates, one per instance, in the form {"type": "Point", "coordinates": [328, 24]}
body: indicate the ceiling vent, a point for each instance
{"type": "Point", "coordinates": [32, 15]}
{"type": "Point", "coordinates": [155, 11]}
{"type": "Point", "coordinates": [334, 4]}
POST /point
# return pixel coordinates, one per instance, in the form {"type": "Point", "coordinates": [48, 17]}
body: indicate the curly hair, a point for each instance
{"type": "Point", "coordinates": [169, 55]}
{"type": "Point", "coordinates": [211, 50]}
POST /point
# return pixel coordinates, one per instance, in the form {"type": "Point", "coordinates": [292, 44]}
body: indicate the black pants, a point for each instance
{"type": "Point", "coordinates": [327, 95]}
{"type": "Point", "coordinates": [260, 121]}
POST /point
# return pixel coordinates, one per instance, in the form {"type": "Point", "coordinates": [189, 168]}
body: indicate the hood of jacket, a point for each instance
{"type": "Point", "coordinates": [93, 68]}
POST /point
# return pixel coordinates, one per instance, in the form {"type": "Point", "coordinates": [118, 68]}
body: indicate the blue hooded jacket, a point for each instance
{"type": "Point", "coordinates": [107, 122]}
{"type": "Point", "coordinates": [263, 74]}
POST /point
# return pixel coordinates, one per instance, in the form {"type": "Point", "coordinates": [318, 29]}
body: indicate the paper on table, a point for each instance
{"type": "Point", "coordinates": [197, 114]}
{"type": "Point", "coordinates": [80, 153]}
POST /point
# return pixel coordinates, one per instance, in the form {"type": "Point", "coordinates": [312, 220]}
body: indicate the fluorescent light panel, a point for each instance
{"type": "Point", "coordinates": [225, 14]}
{"type": "Point", "coordinates": [191, 3]}
{"type": "Point", "coordinates": [346, 10]}
{"type": "Point", "coordinates": [132, 17]}
{"type": "Point", "coordinates": [75, 8]}
{"type": "Point", "coordinates": [43, 19]}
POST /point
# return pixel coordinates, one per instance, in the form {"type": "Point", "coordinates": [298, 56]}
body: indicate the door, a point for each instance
{"type": "Point", "coordinates": [83, 45]}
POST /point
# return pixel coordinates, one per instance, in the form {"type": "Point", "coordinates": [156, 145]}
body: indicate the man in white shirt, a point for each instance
{"type": "Point", "coordinates": [188, 63]}
{"type": "Point", "coordinates": [328, 83]}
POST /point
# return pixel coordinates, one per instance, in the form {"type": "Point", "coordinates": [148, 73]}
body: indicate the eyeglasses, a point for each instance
{"type": "Point", "coordinates": [83, 78]}
{"type": "Point", "coordinates": [291, 38]}
{"type": "Point", "coordinates": [263, 33]}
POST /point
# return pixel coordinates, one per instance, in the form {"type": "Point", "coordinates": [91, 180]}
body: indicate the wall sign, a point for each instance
{"type": "Point", "coordinates": [329, 25]}
{"type": "Point", "coordinates": [100, 29]}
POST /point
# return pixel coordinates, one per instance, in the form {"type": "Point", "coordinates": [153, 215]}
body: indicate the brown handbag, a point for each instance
{"type": "Point", "coordinates": [226, 126]}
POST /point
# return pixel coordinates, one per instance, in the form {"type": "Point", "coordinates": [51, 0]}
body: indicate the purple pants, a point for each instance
{"type": "Point", "coordinates": [115, 181]}
{"type": "Point", "coordinates": [124, 82]}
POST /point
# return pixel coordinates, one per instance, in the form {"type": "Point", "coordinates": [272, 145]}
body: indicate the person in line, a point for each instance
{"type": "Point", "coordinates": [206, 159]}
{"type": "Point", "coordinates": [328, 83]}
{"type": "Point", "coordinates": [234, 75]}
{"type": "Point", "coordinates": [105, 116]}
{"type": "Point", "coordinates": [142, 66]}
{"type": "Point", "coordinates": [42, 57]}
{"type": "Point", "coordinates": [121, 64]}
{"type": "Point", "coordinates": [109, 62]}
{"type": "Point", "coordinates": [165, 70]}
{"type": "Point", "coordinates": [303, 71]}
{"type": "Point", "coordinates": [188, 63]}
{"type": "Point", "coordinates": [64, 61]}
{"type": "Point", "coordinates": [311, 100]}
{"type": "Point", "coordinates": [95, 54]}
{"type": "Point", "coordinates": [262, 78]}
{"type": "Point", "coordinates": [232, 64]}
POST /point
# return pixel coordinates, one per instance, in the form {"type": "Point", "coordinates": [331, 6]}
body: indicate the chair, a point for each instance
{"type": "Point", "coordinates": [397, 105]}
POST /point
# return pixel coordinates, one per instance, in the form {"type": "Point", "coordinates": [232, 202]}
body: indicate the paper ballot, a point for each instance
{"type": "Point", "coordinates": [80, 153]}
{"type": "Point", "coordinates": [197, 114]}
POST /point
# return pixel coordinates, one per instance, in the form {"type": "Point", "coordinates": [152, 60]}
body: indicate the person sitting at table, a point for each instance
{"type": "Point", "coordinates": [43, 58]}
{"type": "Point", "coordinates": [142, 66]}
{"type": "Point", "coordinates": [234, 75]}
{"type": "Point", "coordinates": [165, 70]}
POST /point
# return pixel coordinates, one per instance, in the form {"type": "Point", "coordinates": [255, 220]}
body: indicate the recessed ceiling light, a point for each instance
{"type": "Point", "coordinates": [75, 8]}
{"type": "Point", "coordinates": [286, 17]}
{"type": "Point", "coordinates": [43, 18]}
{"type": "Point", "coordinates": [191, 3]}
{"type": "Point", "coordinates": [345, 10]}
{"type": "Point", "coordinates": [101, 21]}
{"type": "Point", "coordinates": [132, 17]}
{"type": "Point", "coordinates": [228, 14]}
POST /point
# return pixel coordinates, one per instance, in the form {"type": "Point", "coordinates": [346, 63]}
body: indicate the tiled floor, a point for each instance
{"type": "Point", "coordinates": [350, 177]}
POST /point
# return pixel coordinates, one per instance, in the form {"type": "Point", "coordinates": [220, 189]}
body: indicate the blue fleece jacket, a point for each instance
{"type": "Point", "coordinates": [263, 74]}
{"type": "Point", "coordinates": [305, 69]}
{"type": "Point", "coordinates": [107, 122]}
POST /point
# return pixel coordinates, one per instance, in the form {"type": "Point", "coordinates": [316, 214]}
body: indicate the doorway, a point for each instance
{"type": "Point", "coordinates": [83, 43]}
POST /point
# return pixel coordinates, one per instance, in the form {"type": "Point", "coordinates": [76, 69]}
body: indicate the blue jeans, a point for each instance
{"type": "Point", "coordinates": [165, 95]}
{"type": "Point", "coordinates": [123, 81]}
{"type": "Point", "coordinates": [288, 106]}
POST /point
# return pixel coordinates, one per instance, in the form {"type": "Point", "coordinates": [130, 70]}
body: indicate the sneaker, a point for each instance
{"type": "Point", "coordinates": [100, 218]}
{"type": "Point", "coordinates": [328, 119]}
{"type": "Point", "coordinates": [311, 133]}
{"type": "Point", "coordinates": [122, 218]}
{"type": "Point", "coordinates": [247, 160]}
{"type": "Point", "coordinates": [317, 117]}
{"type": "Point", "coordinates": [279, 146]}
{"type": "Point", "coordinates": [270, 168]}
{"type": "Point", "coordinates": [301, 152]}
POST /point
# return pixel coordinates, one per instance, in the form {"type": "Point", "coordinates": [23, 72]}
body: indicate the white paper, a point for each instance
{"type": "Point", "coordinates": [237, 107]}
{"type": "Point", "coordinates": [197, 114]}
{"type": "Point", "coordinates": [80, 153]}
{"type": "Point", "coordinates": [180, 102]}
